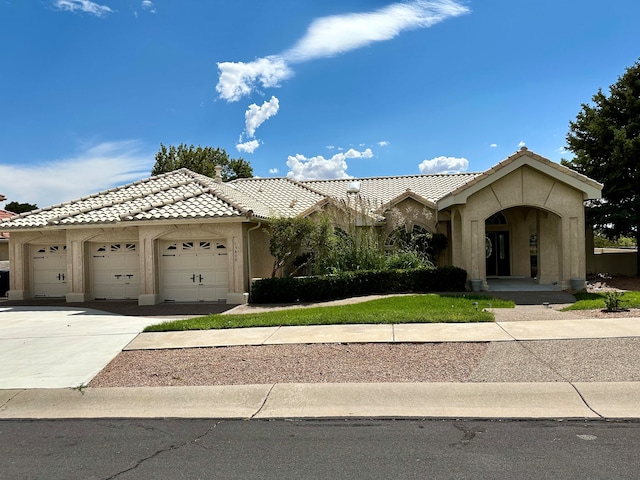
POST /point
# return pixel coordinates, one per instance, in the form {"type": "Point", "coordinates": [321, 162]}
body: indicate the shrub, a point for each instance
{"type": "Point", "coordinates": [613, 301]}
{"type": "Point", "coordinates": [349, 284]}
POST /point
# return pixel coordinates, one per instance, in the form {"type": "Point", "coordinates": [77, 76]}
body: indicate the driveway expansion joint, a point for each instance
{"type": "Point", "coordinates": [266, 340]}
{"type": "Point", "coordinates": [584, 400]}
{"type": "Point", "coordinates": [264, 402]}
{"type": "Point", "coordinates": [10, 398]}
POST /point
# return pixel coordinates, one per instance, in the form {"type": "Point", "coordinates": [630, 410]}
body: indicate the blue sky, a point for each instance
{"type": "Point", "coordinates": [307, 89]}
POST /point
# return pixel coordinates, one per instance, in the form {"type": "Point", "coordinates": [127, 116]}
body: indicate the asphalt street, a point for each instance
{"type": "Point", "coordinates": [319, 449]}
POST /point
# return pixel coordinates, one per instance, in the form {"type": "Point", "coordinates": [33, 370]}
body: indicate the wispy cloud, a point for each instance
{"type": "Point", "coordinates": [383, 143]}
{"type": "Point", "coordinates": [336, 34]}
{"type": "Point", "coordinates": [149, 6]}
{"type": "Point", "coordinates": [273, 171]}
{"type": "Point", "coordinates": [320, 168]}
{"type": "Point", "coordinates": [330, 36]}
{"type": "Point", "coordinates": [83, 6]}
{"type": "Point", "coordinates": [257, 115]}
{"type": "Point", "coordinates": [522, 144]}
{"type": "Point", "coordinates": [494, 145]}
{"type": "Point", "coordinates": [444, 165]}
{"type": "Point", "coordinates": [97, 168]}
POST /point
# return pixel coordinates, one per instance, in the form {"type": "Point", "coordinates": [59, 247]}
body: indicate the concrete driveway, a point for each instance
{"type": "Point", "coordinates": [49, 347]}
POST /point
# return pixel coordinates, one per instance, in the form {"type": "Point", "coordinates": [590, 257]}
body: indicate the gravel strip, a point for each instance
{"type": "Point", "coordinates": [596, 360]}
{"type": "Point", "coordinates": [330, 363]}
{"type": "Point", "coordinates": [591, 360]}
{"type": "Point", "coordinates": [523, 313]}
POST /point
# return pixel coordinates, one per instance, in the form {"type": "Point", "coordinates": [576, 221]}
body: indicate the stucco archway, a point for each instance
{"type": "Point", "coordinates": [524, 242]}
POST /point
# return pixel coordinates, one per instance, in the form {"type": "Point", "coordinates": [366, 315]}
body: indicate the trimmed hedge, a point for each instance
{"type": "Point", "coordinates": [353, 284]}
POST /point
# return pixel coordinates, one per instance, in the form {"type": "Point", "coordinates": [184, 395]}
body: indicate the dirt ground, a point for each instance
{"type": "Point", "coordinates": [605, 282]}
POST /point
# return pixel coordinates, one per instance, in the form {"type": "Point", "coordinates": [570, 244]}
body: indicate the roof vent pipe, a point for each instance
{"type": "Point", "coordinates": [218, 177]}
{"type": "Point", "coordinates": [354, 187]}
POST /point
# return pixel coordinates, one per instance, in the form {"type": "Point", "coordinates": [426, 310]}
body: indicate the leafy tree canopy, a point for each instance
{"type": "Point", "coordinates": [605, 139]}
{"type": "Point", "coordinates": [287, 238]}
{"type": "Point", "coordinates": [200, 160]}
{"type": "Point", "coordinates": [18, 208]}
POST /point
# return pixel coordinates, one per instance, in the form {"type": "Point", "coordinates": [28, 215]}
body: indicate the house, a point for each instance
{"type": "Point", "coordinates": [185, 237]}
{"type": "Point", "coordinates": [4, 237]}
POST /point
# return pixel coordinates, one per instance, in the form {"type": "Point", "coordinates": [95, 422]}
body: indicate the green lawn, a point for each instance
{"type": "Point", "coordinates": [395, 309]}
{"type": "Point", "coordinates": [595, 301]}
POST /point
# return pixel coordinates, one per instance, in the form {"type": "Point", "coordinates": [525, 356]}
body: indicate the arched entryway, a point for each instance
{"type": "Point", "coordinates": [524, 242]}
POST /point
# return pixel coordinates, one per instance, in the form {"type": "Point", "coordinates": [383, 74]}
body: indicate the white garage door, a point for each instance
{"type": "Point", "coordinates": [116, 272]}
{"type": "Point", "coordinates": [195, 271]}
{"type": "Point", "coordinates": [49, 267]}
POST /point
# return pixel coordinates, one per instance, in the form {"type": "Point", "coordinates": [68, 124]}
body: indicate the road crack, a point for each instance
{"type": "Point", "coordinates": [170, 448]}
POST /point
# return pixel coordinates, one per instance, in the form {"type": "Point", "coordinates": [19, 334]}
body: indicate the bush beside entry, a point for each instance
{"type": "Point", "coordinates": [352, 284]}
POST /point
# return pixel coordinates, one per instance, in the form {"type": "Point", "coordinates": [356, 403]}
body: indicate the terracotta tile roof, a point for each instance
{"type": "Point", "coordinates": [181, 194]}
{"type": "Point", "coordinates": [279, 196]}
{"type": "Point", "coordinates": [178, 194]}
{"type": "Point", "coordinates": [382, 190]}
{"type": "Point", "coordinates": [4, 215]}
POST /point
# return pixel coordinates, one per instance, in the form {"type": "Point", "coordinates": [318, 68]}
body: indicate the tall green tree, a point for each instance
{"type": "Point", "coordinates": [605, 139]}
{"type": "Point", "coordinates": [200, 160]}
{"type": "Point", "coordinates": [16, 207]}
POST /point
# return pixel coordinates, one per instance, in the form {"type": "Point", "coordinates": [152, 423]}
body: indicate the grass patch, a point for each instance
{"type": "Point", "coordinates": [395, 309]}
{"type": "Point", "coordinates": [596, 301]}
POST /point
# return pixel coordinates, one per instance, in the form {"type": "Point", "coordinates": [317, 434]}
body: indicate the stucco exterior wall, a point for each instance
{"type": "Point", "coordinates": [261, 260]}
{"type": "Point", "coordinates": [79, 241]}
{"type": "Point", "coordinates": [611, 261]}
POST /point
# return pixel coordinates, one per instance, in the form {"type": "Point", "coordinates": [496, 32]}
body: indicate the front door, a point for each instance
{"type": "Point", "coordinates": [497, 250]}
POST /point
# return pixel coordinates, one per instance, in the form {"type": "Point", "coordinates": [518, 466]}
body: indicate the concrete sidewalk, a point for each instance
{"type": "Point", "coordinates": [410, 332]}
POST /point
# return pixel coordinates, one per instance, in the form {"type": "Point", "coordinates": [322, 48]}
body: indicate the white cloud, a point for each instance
{"type": "Point", "coordinates": [85, 6]}
{"type": "Point", "coordinates": [322, 168]}
{"type": "Point", "coordinates": [351, 153]}
{"type": "Point", "coordinates": [493, 145]}
{"type": "Point", "coordinates": [383, 143]}
{"type": "Point", "coordinates": [97, 168]}
{"type": "Point", "coordinates": [256, 116]}
{"type": "Point", "coordinates": [248, 147]}
{"type": "Point", "coordinates": [330, 36]}
{"type": "Point", "coordinates": [317, 168]}
{"type": "Point", "coordinates": [522, 144]}
{"type": "Point", "coordinates": [238, 78]}
{"type": "Point", "coordinates": [335, 34]}
{"type": "Point", "coordinates": [444, 165]}
{"type": "Point", "coordinates": [148, 5]}
{"type": "Point", "coordinates": [273, 171]}
{"type": "Point", "coordinates": [330, 147]}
